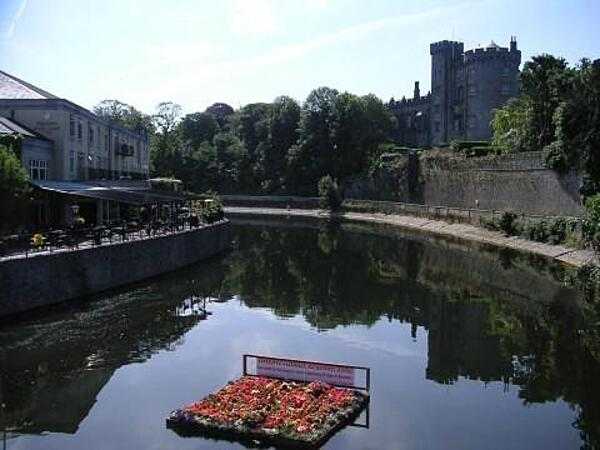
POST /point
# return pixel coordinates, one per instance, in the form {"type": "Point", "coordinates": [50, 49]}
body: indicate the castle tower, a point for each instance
{"type": "Point", "coordinates": [491, 79]}
{"type": "Point", "coordinates": [446, 64]}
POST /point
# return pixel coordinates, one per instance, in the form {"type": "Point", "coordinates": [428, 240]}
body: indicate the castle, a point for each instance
{"type": "Point", "coordinates": [465, 88]}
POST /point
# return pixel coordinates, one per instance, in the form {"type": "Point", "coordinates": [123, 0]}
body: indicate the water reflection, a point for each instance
{"type": "Point", "coordinates": [490, 316]}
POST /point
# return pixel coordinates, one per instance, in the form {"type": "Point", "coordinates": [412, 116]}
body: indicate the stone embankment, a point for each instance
{"type": "Point", "coordinates": [48, 278]}
{"type": "Point", "coordinates": [462, 231]}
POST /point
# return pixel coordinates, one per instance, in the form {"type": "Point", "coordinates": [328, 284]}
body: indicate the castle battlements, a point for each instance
{"type": "Point", "coordinates": [446, 46]}
{"type": "Point", "coordinates": [491, 53]}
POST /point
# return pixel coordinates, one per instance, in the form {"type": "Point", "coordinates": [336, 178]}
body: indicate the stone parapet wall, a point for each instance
{"type": "Point", "coordinates": [49, 278]}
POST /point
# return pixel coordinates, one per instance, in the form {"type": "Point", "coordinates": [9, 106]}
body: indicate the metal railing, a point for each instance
{"type": "Point", "coordinates": [55, 240]}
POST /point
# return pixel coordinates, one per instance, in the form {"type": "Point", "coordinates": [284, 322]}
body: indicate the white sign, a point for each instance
{"type": "Point", "coordinates": [305, 371]}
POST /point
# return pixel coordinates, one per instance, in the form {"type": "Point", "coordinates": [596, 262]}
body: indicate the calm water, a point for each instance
{"type": "Point", "coordinates": [470, 348]}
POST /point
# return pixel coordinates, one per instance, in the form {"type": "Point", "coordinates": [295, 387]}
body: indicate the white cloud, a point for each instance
{"type": "Point", "coordinates": [253, 17]}
{"type": "Point", "coordinates": [8, 25]}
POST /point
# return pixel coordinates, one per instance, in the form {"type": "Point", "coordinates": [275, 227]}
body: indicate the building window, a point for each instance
{"type": "Point", "coordinates": [79, 130]}
{"type": "Point", "coordinates": [106, 143]}
{"type": "Point", "coordinates": [437, 127]}
{"type": "Point", "coordinates": [71, 125]}
{"type": "Point", "coordinates": [99, 162]}
{"type": "Point", "coordinates": [91, 135]}
{"type": "Point", "coordinates": [38, 169]}
{"type": "Point", "coordinates": [71, 161]}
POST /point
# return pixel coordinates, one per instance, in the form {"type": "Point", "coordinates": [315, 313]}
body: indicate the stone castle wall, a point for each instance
{"type": "Point", "coordinates": [49, 278]}
{"type": "Point", "coordinates": [517, 182]}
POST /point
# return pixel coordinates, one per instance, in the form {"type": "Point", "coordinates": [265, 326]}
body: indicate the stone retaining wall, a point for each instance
{"type": "Point", "coordinates": [519, 182]}
{"type": "Point", "coordinates": [49, 278]}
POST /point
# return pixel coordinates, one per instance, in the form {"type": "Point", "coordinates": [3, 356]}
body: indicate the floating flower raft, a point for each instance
{"type": "Point", "coordinates": [272, 411]}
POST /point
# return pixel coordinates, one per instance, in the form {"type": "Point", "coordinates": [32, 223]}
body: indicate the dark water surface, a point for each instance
{"type": "Point", "coordinates": [470, 348]}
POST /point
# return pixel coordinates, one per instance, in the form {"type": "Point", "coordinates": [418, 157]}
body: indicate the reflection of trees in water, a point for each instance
{"type": "Point", "coordinates": [534, 333]}
{"type": "Point", "coordinates": [52, 367]}
{"type": "Point", "coordinates": [486, 319]}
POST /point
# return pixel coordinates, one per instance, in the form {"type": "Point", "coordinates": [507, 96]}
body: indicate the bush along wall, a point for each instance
{"type": "Point", "coordinates": [550, 230]}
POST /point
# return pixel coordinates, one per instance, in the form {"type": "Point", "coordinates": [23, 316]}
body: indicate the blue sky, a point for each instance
{"type": "Point", "coordinates": [198, 52]}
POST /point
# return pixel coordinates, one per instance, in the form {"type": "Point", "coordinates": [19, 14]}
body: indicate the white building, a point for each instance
{"type": "Point", "coordinates": [85, 147]}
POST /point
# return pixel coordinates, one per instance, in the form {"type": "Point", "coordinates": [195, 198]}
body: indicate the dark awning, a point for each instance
{"type": "Point", "coordinates": [131, 195]}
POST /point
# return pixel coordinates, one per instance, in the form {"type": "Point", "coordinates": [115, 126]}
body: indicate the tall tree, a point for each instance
{"type": "Point", "coordinates": [221, 112]}
{"type": "Point", "coordinates": [197, 127]}
{"type": "Point", "coordinates": [125, 115]}
{"type": "Point", "coordinates": [282, 135]}
{"type": "Point", "coordinates": [545, 81]}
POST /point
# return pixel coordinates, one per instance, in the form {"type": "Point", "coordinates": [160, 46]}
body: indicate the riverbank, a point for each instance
{"type": "Point", "coordinates": [570, 256]}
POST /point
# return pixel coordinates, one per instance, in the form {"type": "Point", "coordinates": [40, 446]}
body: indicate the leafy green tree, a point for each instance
{"type": "Point", "coordinates": [221, 112]}
{"type": "Point", "coordinates": [329, 193]}
{"type": "Point", "coordinates": [545, 81]}
{"type": "Point", "coordinates": [125, 115]}
{"type": "Point", "coordinates": [282, 135]}
{"type": "Point", "coordinates": [313, 157]}
{"type": "Point", "coordinates": [196, 128]}
{"type": "Point", "coordinates": [166, 155]}
{"type": "Point", "coordinates": [512, 126]}
{"type": "Point", "coordinates": [166, 117]}
{"type": "Point", "coordinates": [577, 122]}
{"type": "Point", "coordinates": [13, 187]}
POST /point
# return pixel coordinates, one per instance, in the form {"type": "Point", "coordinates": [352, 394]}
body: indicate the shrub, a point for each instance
{"type": "Point", "coordinates": [591, 225]}
{"type": "Point", "coordinates": [212, 210]}
{"type": "Point", "coordinates": [507, 223]}
{"type": "Point", "coordinates": [329, 193]}
{"type": "Point", "coordinates": [558, 231]}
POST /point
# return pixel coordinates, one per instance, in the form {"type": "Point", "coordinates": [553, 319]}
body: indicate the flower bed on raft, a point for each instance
{"type": "Point", "coordinates": [271, 410]}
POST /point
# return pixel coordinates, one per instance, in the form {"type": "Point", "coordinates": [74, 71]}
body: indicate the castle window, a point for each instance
{"type": "Point", "coordinates": [91, 135]}
{"type": "Point", "coordinates": [79, 130]}
{"type": "Point", "coordinates": [437, 127]}
{"type": "Point", "coordinates": [72, 161]}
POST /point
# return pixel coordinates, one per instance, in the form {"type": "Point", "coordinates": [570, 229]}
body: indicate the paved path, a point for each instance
{"type": "Point", "coordinates": [566, 255]}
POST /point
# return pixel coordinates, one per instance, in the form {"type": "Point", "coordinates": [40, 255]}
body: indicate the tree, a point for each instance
{"type": "Point", "coordinates": [166, 117]}
{"type": "Point", "coordinates": [282, 135]}
{"type": "Point", "coordinates": [13, 186]}
{"type": "Point", "coordinates": [123, 114]}
{"type": "Point", "coordinates": [329, 193]}
{"type": "Point", "coordinates": [196, 128]}
{"type": "Point", "coordinates": [221, 112]}
{"type": "Point", "coordinates": [313, 156]}
{"type": "Point", "coordinates": [577, 124]}
{"type": "Point", "coordinates": [545, 81]}
{"type": "Point", "coordinates": [512, 126]}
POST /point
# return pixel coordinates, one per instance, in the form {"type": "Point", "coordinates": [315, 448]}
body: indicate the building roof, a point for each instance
{"type": "Point", "coordinates": [9, 126]}
{"type": "Point", "coordinates": [12, 87]}
{"type": "Point", "coordinates": [106, 191]}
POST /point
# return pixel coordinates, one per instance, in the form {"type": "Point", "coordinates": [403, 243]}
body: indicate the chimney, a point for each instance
{"type": "Point", "coordinates": [513, 43]}
{"type": "Point", "coordinates": [417, 95]}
